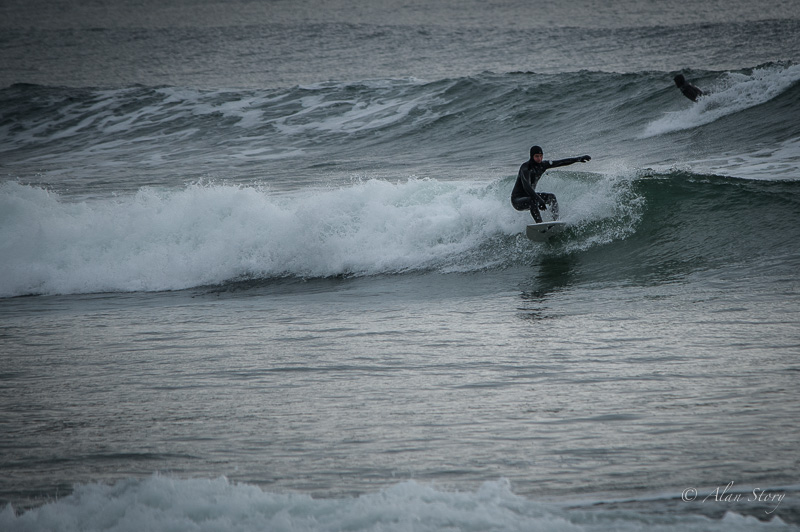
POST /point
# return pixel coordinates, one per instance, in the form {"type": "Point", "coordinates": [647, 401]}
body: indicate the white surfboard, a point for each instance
{"type": "Point", "coordinates": [544, 231]}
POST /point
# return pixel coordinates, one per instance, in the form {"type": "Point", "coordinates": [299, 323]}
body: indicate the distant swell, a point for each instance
{"type": "Point", "coordinates": [121, 140]}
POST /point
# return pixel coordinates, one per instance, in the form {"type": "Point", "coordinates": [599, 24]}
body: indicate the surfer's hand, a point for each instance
{"type": "Point", "coordinates": [585, 159]}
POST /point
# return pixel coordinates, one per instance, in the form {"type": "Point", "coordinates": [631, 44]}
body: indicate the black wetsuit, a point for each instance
{"type": "Point", "coordinates": [688, 90]}
{"type": "Point", "coordinates": [524, 195]}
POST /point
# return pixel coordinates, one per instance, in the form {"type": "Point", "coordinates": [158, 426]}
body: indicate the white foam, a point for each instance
{"type": "Point", "coordinates": [161, 503]}
{"type": "Point", "coordinates": [209, 234]}
{"type": "Point", "coordinates": [733, 93]}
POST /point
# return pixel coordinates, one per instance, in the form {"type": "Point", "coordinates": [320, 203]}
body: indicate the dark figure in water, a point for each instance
{"type": "Point", "coordinates": [524, 195]}
{"type": "Point", "coordinates": [688, 90]}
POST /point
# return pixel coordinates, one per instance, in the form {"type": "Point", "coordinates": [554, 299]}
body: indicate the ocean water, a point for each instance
{"type": "Point", "coordinates": [259, 269]}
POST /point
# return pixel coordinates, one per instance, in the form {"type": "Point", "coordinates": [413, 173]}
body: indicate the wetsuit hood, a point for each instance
{"type": "Point", "coordinates": [535, 150]}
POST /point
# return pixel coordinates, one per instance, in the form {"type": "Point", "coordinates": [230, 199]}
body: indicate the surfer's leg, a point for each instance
{"type": "Point", "coordinates": [524, 203]}
{"type": "Point", "coordinates": [551, 202]}
{"type": "Point", "coordinates": [521, 204]}
{"type": "Point", "coordinates": [554, 206]}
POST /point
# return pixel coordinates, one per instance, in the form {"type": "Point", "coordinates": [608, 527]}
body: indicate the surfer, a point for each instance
{"type": "Point", "coordinates": [524, 195]}
{"type": "Point", "coordinates": [688, 90]}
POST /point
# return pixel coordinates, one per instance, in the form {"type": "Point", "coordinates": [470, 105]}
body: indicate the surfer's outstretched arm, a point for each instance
{"type": "Point", "coordinates": [571, 160]}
